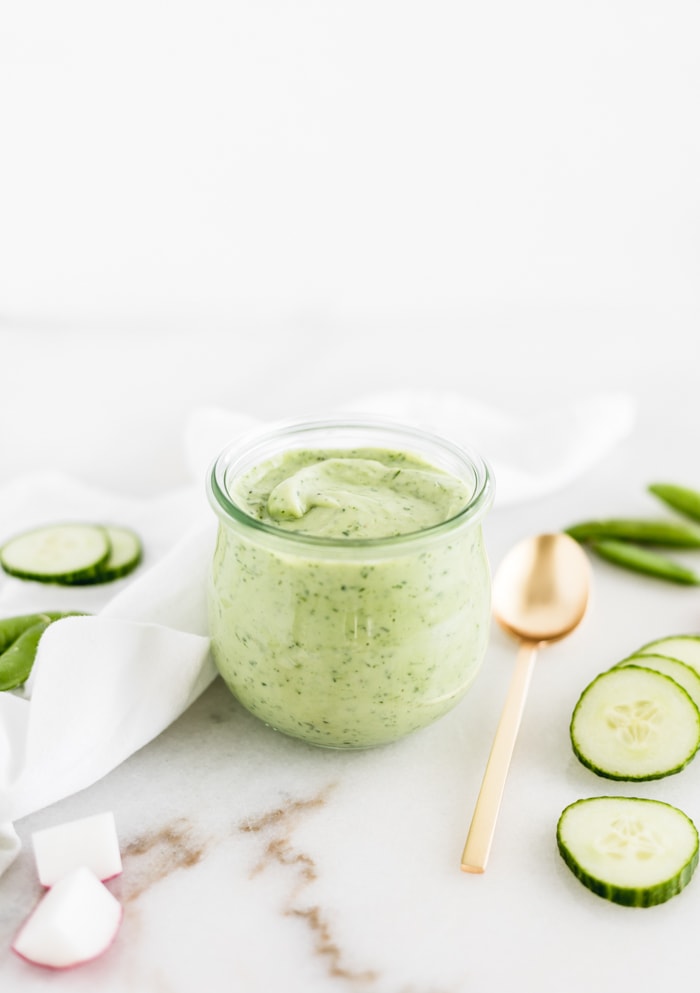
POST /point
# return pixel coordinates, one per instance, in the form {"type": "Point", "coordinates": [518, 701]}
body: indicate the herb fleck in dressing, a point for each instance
{"type": "Point", "coordinates": [355, 494]}
{"type": "Point", "coordinates": [341, 643]}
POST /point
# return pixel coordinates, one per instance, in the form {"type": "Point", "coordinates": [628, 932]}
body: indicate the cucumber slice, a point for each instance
{"type": "Point", "coordinates": [125, 554]}
{"type": "Point", "coordinates": [57, 553]}
{"type": "Point", "coordinates": [632, 723]}
{"type": "Point", "coordinates": [684, 647]}
{"type": "Point", "coordinates": [635, 852]}
{"type": "Point", "coordinates": [684, 674]}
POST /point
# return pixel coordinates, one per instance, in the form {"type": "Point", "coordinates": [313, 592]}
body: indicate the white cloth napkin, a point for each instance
{"type": "Point", "coordinates": [529, 455]}
{"type": "Point", "coordinates": [106, 684]}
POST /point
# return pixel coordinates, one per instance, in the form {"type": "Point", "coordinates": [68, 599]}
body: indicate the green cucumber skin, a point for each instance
{"type": "Point", "coordinates": [638, 559]}
{"type": "Point", "coordinates": [15, 563]}
{"type": "Point", "coordinates": [588, 763]}
{"type": "Point", "coordinates": [650, 896]}
{"type": "Point", "coordinates": [686, 675]}
{"type": "Point", "coordinates": [661, 643]}
{"type": "Point", "coordinates": [643, 531]}
{"type": "Point", "coordinates": [620, 778]}
{"type": "Point", "coordinates": [105, 570]}
{"type": "Point", "coordinates": [110, 570]}
{"type": "Point", "coordinates": [104, 576]}
{"type": "Point", "coordinates": [681, 498]}
{"type": "Point", "coordinates": [66, 579]}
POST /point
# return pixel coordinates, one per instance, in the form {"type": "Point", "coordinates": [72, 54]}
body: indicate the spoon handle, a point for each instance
{"type": "Point", "coordinates": [478, 844]}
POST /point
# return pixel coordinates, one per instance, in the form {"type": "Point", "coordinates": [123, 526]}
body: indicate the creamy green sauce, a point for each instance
{"type": "Point", "coordinates": [361, 493]}
{"type": "Point", "coordinates": [347, 645]}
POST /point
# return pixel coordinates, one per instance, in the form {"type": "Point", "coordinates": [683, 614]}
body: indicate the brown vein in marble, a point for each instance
{"type": "Point", "coordinates": [158, 853]}
{"type": "Point", "coordinates": [279, 824]}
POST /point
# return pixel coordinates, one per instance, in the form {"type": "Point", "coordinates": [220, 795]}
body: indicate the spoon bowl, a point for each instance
{"type": "Point", "coordinates": [540, 591]}
{"type": "Point", "coordinates": [540, 594]}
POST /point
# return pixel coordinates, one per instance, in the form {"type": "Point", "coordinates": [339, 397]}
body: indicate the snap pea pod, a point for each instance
{"type": "Point", "coordinates": [644, 531]}
{"type": "Point", "coordinates": [12, 627]}
{"type": "Point", "coordinates": [19, 640]}
{"type": "Point", "coordinates": [640, 559]}
{"type": "Point", "coordinates": [16, 663]}
{"type": "Point", "coordinates": [680, 498]}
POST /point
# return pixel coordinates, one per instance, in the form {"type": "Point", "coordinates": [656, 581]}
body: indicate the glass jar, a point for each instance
{"type": "Point", "coordinates": [348, 642]}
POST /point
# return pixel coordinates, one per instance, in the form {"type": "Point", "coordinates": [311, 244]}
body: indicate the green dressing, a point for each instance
{"type": "Point", "coordinates": [368, 634]}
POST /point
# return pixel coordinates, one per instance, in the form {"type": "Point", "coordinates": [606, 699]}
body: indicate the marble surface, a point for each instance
{"type": "Point", "coordinates": [276, 212]}
{"type": "Point", "coordinates": [254, 861]}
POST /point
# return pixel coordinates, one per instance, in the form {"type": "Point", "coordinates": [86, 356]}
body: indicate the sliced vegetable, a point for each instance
{"type": "Point", "coordinates": [683, 674]}
{"type": "Point", "coordinates": [75, 554]}
{"type": "Point", "coordinates": [90, 841]}
{"type": "Point", "coordinates": [643, 531]}
{"type": "Point", "coordinates": [632, 723]}
{"type": "Point", "coordinates": [58, 553]}
{"type": "Point", "coordinates": [21, 636]}
{"type": "Point", "coordinates": [125, 554]}
{"type": "Point", "coordinates": [635, 852]}
{"type": "Point", "coordinates": [684, 647]}
{"type": "Point", "coordinates": [638, 559]}
{"type": "Point", "coordinates": [680, 498]}
{"type": "Point", "coordinates": [74, 922]}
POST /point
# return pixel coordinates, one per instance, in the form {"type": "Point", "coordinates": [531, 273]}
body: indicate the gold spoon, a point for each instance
{"type": "Point", "coordinates": [540, 594]}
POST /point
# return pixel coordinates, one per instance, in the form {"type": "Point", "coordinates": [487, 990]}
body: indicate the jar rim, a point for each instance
{"type": "Point", "coordinates": [247, 444]}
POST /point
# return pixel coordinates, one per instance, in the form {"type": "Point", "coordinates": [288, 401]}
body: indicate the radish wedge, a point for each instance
{"type": "Point", "coordinates": [74, 922]}
{"type": "Point", "coordinates": [91, 842]}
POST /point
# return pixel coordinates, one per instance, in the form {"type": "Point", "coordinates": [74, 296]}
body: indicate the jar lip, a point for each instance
{"type": "Point", "coordinates": [474, 510]}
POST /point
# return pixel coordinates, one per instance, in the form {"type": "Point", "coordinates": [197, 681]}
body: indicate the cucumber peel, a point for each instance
{"type": "Point", "coordinates": [683, 673]}
{"type": "Point", "coordinates": [634, 723]}
{"type": "Point", "coordinates": [638, 720]}
{"type": "Point", "coordinates": [631, 851]}
{"type": "Point", "coordinates": [56, 552]}
{"type": "Point", "coordinates": [683, 647]}
{"type": "Point", "coordinates": [125, 553]}
{"type": "Point", "coordinates": [72, 554]}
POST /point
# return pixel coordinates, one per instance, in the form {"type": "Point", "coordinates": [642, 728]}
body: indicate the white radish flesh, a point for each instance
{"type": "Point", "coordinates": [74, 922]}
{"type": "Point", "coordinates": [91, 842]}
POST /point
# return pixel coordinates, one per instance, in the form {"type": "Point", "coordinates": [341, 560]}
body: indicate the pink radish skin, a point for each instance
{"type": "Point", "coordinates": [75, 922]}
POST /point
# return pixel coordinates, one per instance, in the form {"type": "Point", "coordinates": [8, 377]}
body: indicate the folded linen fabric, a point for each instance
{"type": "Point", "coordinates": [105, 685]}
{"type": "Point", "coordinates": [530, 455]}
{"type": "Point", "coordinates": [102, 685]}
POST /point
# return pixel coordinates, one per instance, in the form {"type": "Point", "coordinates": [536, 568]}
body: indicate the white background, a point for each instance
{"type": "Point", "coordinates": [276, 206]}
